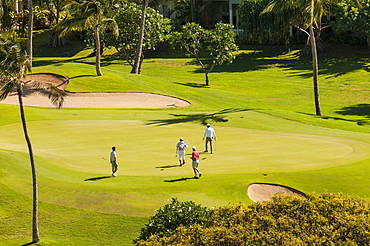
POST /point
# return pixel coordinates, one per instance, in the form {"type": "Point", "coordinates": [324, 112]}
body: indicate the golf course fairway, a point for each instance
{"type": "Point", "coordinates": [73, 162]}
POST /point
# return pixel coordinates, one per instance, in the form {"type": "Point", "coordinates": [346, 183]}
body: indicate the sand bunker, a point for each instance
{"type": "Point", "coordinates": [260, 192]}
{"type": "Point", "coordinates": [94, 100]}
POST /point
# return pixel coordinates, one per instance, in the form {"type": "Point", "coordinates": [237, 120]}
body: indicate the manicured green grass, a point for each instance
{"type": "Point", "coordinates": [261, 107]}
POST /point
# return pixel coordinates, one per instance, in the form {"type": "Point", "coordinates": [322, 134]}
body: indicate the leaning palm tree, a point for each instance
{"type": "Point", "coordinates": [304, 14]}
{"type": "Point", "coordinates": [89, 15]}
{"type": "Point", "coordinates": [14, 64]}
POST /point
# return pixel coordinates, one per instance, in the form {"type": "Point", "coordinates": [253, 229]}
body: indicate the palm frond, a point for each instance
{"type": "Point", "coordinates": [7, 86]}
{"type": "Point", "coordinates": [70, 25]}
{"type": "Point", "coordinates": [55, 95]}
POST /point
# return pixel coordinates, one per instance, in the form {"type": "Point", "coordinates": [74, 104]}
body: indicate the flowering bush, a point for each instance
{"type": "Point", "coordinates": [171, 216]}
{"type": "Point", "coordinates": [326, 219]}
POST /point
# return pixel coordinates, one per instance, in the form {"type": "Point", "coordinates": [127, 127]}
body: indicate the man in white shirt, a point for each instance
{"type": "Point", "coordinates": [180, 151]}
{"type": "Point", "coordinates": [113, 161]}
{"type": "Point", "coordinates": [209, 134]}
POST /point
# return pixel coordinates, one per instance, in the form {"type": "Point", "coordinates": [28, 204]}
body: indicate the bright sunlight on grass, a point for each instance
{"type": "Point", "coordinates": [261, 107]}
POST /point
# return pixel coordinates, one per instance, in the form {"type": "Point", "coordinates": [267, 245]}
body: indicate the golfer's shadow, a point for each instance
{"type": "Point", "coordinates": [176, 180]}
{"type": "Point", "coordinates": [98, 178]}
{"type": "Point", "coordinates": [168, 166]}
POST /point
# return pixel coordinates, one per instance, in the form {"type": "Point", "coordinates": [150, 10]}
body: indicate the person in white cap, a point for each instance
{"type": "Point", "coordinates": [195, 163]}
{"type": "Point", "coordinates": [209, 134]}
{"type": "Point", "coordinates": [180, 151]}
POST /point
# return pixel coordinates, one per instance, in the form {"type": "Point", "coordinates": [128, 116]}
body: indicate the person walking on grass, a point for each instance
{"type": "Point", "coordinates": [195, 163]}
{"type": "Point", "coordinates": [209, 134]}
{"type": "Point", "coordinates": [180, 151]}
{"type": "Point", "coordinates": [113, 161]}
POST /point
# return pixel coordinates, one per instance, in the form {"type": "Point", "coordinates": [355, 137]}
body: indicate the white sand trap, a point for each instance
{"type": "Point", "coordinates": [93, 100]}
{"type": "Point", "coordinates": [259, 192]}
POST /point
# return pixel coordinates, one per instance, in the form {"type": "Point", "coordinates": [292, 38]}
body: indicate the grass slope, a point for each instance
{"type": "Point", "coordinates": [261, 107]}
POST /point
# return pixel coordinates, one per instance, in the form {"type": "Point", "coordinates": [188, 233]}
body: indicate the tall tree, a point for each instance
{"type": "Point", "coordinates": [304, 14]}
{"type": "Point", "coordinates": [315, 63]}
{"type": "Point", "coordinates": [30, 30]}
{"type": "Point", "coordinates": [139, 50]}
{"type": "Point", "coordinates": [89, 15]}
{"type": "Point", "coordinates": [14, 64]}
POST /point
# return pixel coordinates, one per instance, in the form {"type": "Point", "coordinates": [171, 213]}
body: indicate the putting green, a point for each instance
{"type": "Point", "coordinates": [73, 167]}
{"type": "Point", "coordinates": [84, 146]}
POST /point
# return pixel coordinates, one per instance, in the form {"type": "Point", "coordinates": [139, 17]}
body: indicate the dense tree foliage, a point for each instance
{"type": "Point", "coordinates": [326, 219]}
{"type": "Point", "coordinates": [203, 12]}
{"type": "Point", "coordinates": [261, 28]}
{"type": "Point", "coordinates": [352, 17]}
{"type": "Point", "coordinates": [218, 44]}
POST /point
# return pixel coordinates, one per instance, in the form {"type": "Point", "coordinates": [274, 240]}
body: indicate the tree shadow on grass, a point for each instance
{"type": "Point", "coordinates": [83, 76]}
{"type": "Point", "coordinates": [203, 118]}
{"type": "Point", "coordinates": [98, 178]}
{"type": "Point", "coordinates": [194, 85]}
{"type": "Point", "coordinates": [176, 180]}
{"type": "Point", "coordinates": [356, 110]}
{"type": "Point", "coordinates": [362, 109]}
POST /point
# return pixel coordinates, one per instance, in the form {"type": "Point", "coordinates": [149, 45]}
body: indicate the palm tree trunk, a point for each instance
{"type": "Point", "coordinates": [315, 65]}
{"type": "Point", "coordinates": [30, 30]}
{"type": "Point", "coordinates": [193, 14]}
{"type": "Point", "coordinates": [97, 51]}
{"type": "Point", "coordinates": [35, 227]}
{"type": "Point", "coordinates": [139, 50]}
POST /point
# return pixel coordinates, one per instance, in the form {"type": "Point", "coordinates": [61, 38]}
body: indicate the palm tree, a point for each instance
{"type": "Point", "coordinates": [30, 31]}
{"type": "Point", "coordinates": [14, 64]}
{"type": "Point", "coordinates": [308, 13]}
{"type": "Point", "coordinates": [136, 68]}
{"type": "Point", "coordinates": [89, 15]}
{"type": "Point", "coordinates": [315, 63]}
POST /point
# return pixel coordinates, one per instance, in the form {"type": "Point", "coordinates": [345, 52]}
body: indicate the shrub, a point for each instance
{"type": "Point", "coordinates": [325, 219]}
{"type": "Point", "coordinates": [171, 216]}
